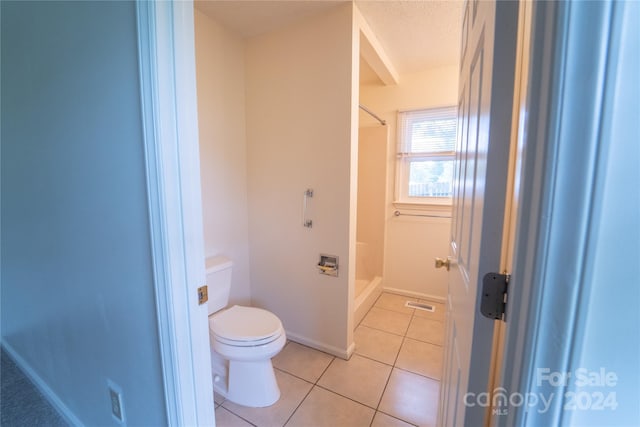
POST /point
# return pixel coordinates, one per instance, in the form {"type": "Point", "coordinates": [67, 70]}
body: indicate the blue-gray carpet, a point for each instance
{"type": "Point", "coordinates": [21, 403]}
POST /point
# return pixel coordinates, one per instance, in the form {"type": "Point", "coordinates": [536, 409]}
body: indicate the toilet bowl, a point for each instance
{"type": "Point", "coordinates": [247, 337]}
{"type": "Point", "coordinates": [242, 340]}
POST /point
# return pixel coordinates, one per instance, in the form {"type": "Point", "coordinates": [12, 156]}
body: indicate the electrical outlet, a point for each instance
{"type": "Point", "coordinates": [115, 394]}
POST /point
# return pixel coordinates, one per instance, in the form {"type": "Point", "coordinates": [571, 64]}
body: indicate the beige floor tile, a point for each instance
{"type": "Point", "coordinates": [386, 320]}
{"type": "Point", "coordinates": [384, 420]}
{"type": "Point", "coordinates": [218, 399]}
{"type": "Point", "coordinates": [426, 330]}
{"type": "Point", "coordinates": [411, 398]}
{"type": "Point", "coordinates": [224, 418]}
{"type": "Point", "coordinates": [421, 358]}
{"type": "Point", "coordinates": [324, 408]}
{"type": "Point", "coordinates": [292, 391]}
{"type": "Point", "coordinates": [358, 378]}
{"type": "Point", "coordinates": [439, 314]}
{"type": "Point", "coordinates": [378, 345]}
{"type": "Point", "coordinates": [394, 302]}
{"type": "Point", "coordinates": [302, 361]}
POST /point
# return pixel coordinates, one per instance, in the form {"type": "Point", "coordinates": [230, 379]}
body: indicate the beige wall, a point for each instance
{"type": "Point", "coordinates": [411, 242]}
{"type": "Point", "coordinates": [299, 134]}
{"type": "Point", "coordinates": [372, 181]}
{"type": "Point", "coordinates": [221, 118]}
{"type": "Point", "coordinates": [276, 117]}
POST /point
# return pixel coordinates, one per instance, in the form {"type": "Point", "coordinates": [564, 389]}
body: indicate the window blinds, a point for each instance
{"type": "Point", "coordinates": [427, 131]}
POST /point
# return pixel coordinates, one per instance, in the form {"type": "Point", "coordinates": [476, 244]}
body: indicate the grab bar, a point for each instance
{"type": "Point", "coordinates": [306, 222]}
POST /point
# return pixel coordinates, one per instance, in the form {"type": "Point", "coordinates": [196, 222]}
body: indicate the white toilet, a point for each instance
{"type": "Point", "coordinates": [243, 341]}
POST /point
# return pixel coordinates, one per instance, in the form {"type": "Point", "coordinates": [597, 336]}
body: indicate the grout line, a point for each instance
{"type": "Point", "coordinates": [346, 397]}
{"type": "Point", "coordinates": [396, 418]}
{"type": "Point", "coordinates": [395, 360]}
{"type": "Point", "coordinates": [399, 351]}
{"type": "Point", "coordinates": [293, 375]}
{"type": "Point", "coordinates": [431, 319]}
{"type": "Point", "coordinates": [382, 330]}
{"type": "Point", "coordinates": [425, 342]}
{"type": "Point", "coordinates": [405, 312]}
{"type": "Point", "coordinates": [372, 359]}
{"type": "Point", "coordinates": [299, 404]}
{"type": "Point", "coordinates": [415, 373]}
{"type": "Point", "coordinates": [326, 369]}
{"type": "Point", "coordinates": [309, 392]}
{"type": "Point", "coordinates": [239, 416]}
{"type": "Point", "coordinates": [384, 389]}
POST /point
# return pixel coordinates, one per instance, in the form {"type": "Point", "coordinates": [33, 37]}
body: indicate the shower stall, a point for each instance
{"type": "Point", "coordinates": [372, 183]}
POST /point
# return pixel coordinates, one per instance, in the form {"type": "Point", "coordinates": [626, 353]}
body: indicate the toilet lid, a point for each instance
{"type": "Point", "coordinates": [240, 323]}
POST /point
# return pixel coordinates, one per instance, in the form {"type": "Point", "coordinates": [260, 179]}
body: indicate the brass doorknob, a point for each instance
{"type": "Point", "coordinates": [442, 263]}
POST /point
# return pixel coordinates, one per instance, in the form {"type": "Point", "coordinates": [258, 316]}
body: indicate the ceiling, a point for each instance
{"type": "Point", "coordinates": [416, 34]}
{"type": "Point", "coordinates": [249, 18]}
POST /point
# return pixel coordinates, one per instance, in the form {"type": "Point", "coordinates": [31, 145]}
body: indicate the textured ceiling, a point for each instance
{"type": "Point", "coordinates": [416, 34]}
{"type": "Point", "coordinates": [249, 18]}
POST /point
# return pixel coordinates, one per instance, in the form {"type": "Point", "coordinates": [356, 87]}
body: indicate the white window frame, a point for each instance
{"type": "Point", "coordinates": [404, 158]}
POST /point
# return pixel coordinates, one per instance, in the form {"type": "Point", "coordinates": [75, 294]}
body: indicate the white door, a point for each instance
{"type": "Point", "coordinates": [482, 153]}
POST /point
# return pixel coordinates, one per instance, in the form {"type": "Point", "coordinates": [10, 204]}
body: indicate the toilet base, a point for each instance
{"type": "Point", "coordinates": [251, 384]}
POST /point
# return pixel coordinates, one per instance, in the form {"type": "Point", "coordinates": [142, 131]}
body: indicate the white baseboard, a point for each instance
{"type": "Point", "coordinates": [44, 388]}
{"type": "Point", "coordinates": [335, 351]}
{"type": "Point", "coordinates": [412, 294]}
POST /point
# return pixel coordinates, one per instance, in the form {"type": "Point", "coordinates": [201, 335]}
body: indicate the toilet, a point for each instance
{"type": "Point", "coordinates": [243, 340]}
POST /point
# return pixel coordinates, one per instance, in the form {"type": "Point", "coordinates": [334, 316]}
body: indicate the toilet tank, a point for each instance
{"type": "Point", "coordinates": [218, 282]}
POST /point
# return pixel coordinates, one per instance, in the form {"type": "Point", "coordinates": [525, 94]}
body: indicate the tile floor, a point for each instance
{"type": "Point", "coordinates": [393, 379]}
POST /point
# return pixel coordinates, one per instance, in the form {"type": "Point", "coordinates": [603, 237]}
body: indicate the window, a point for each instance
{"type": "Point", "coordinates": [426, 154]}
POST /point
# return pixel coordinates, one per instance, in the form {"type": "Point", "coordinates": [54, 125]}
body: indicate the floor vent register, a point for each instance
{"type": "Point", "coordinates": [420, 306]}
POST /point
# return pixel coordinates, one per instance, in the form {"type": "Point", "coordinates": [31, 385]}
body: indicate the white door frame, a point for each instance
{"type": "Point", "coordinates": [167, 63]}
{"type": "Point", "coordinates": [562, 161]}
{"type": "Point", "coordinates": [169, 111]}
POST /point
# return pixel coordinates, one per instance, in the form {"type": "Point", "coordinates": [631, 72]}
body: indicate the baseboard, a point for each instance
{"type": "Point", "coordinates": [351, 350]}
{"type": "Point", "coordinates": [42, 386]}
{"type": "Point", "coordinates": [335, 351]}
{"type": "Point", "coordinates": [366, 300]}
{"type": "Point", "coordinates": [419, 295]}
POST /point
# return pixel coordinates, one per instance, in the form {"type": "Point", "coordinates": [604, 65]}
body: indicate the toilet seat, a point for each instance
{"type": "Point", "coordinates": [241, 326]}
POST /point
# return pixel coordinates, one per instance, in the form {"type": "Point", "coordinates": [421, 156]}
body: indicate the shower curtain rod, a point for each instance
{"type": "Point", "coordinates": [374, 115]}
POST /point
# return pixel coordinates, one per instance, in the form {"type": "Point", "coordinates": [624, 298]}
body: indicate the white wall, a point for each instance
{"type": "Point", "coordinates": [411, 243]}
{"type": "Point", "coordinates": [78, 303]}
{"type": "Point", "coordinates": [220, 70]}
{"type": "Point", "coordinates": [299, 135]}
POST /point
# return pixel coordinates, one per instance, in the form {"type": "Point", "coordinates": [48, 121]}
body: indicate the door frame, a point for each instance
{"type": "Point", "coordinates": [514, 187]}
{"type": "Point", "coordinates": [562, 159]}
{"type": "Point", "coordinates": [166, 51]}
{"type": "Point", "coordinates": [169, 110]}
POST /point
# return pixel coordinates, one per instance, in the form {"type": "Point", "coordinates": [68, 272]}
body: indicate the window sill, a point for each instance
{"type": "Point", "coordinates": [439, 206]}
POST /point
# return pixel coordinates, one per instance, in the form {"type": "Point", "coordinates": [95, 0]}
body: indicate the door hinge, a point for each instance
{"type": "Point", "coordinates": [494, 295]}
{"type": "Point", "coordinates": [203, 294]}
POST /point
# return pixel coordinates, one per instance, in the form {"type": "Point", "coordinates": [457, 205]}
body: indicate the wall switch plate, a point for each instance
{"type": "Point", "coordinates": [115, 396]}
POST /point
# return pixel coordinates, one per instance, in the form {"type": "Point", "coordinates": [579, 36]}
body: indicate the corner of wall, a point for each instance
{"type": "Point", "coordinates": [300, 104]}
{"type": "Point", "coordinates": [220, 63]}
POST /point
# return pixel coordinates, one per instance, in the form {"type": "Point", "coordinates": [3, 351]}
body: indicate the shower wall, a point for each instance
{"type": "Point", "coordinates": [372, 171]}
